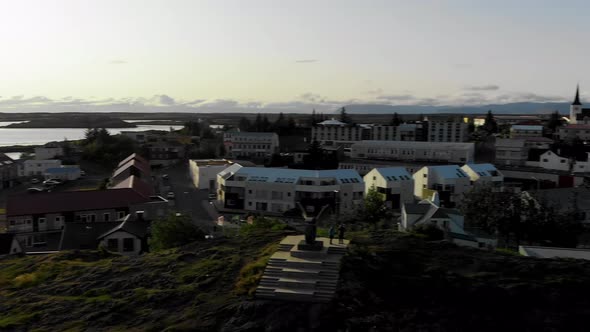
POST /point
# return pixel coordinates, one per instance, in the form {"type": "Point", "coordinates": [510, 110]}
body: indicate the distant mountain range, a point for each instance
{"type": "Point", "coordinates": [512, 108]}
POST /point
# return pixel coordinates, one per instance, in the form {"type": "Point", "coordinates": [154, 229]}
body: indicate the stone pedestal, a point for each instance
{"type": "Point", "coordinates": [316, 246]}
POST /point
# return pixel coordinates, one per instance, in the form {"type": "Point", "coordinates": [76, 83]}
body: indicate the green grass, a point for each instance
{"type": "Point", "coordinates": [12, 320]}
{"type": "Point", "coordinates": [252, 272]}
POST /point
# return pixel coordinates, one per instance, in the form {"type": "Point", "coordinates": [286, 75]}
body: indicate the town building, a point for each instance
{"type": "Point", "coordinates": [334, 132]}
{"type": "Point", "coordinates": [403, 132]}
{"type": "Point", "coordinates": [364, 166]}
{"type": "Point", "coordinates": [162, 148]}
{"type": "Point", "coordinates": [36, 167]}
{"type": "Point", "coordinates": [203, 172]}
{"type": "Point", "coordinates": [522, 131]}
{"type": "Point", "coordinates": [278, 190]}
{"type": "Point", "coordinates": [414, 151]}
{"type": "Point", "coordinates": [129, 237]}
{"type": "Point", "coordinates": [448, 129]}
{"type": "Point", "coordinates": [515, 152]}
{"type": "Point", "coordinates": [449, 221]}
{"type": "Point", "coordinates": [250, 145]}
{"type": "Point", "coordinates": [395, 184]}
{"type": "Point", "coordinates": [50, 150]}
{"type": "Point", "coordinates": [134, 165]}
{"type": "Point", "coordinates": [449, 181]}
{"type": "Point", "coordinates": [574, 131]}
{"type": "Point", "coordinates": [484, 174]}
{"type": "Point", "coordinates": [578, 114]}
{"type": "Point", "coordinates": [8, 171]}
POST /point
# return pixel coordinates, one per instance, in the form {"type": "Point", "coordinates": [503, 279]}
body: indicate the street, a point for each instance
{"type": "Point", "coordinates": [188, 200]}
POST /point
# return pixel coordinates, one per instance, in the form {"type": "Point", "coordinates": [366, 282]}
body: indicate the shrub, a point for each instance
{"type": "Point", "coordinates": [174, 231]}
{"type": "Point", "coordinates": [430, 231]}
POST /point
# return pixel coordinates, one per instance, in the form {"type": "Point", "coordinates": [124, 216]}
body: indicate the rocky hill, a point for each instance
{"type": "Point", "coordinates": [389, 282]}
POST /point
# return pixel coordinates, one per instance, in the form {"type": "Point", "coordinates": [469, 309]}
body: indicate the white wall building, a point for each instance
{"type": "Point", "coordinates": [403, 132]}
{"type": "Point", "coordinates": [37, 167]}
{"type": "Point", "coordinates": [394, 183]}
{"type": "Point", "coordinates": [250, 144]}
{"type": "Point", "coordinates": [447, 129]}
{"type": "Point", "coordinates": [551, 160]}
{"type": "Point", "coordinates": [449, 181]}
{"type": "Point", "coordinates": [334, 132]}
{"type": "Point", "coordinates": [414, 151]}
{"type": "Point", "coordinates": [572, 131]}
{"type": "Point", "coordinates": [515, 151]}
{"type": "Point", "coordinates": [484, 174]}
{"type": "Point", "coordinates": [277, 190]}
{"type": "Point", "coordinates": [519, 131]}
{"type": "Point", "coordinates": [204, 172]}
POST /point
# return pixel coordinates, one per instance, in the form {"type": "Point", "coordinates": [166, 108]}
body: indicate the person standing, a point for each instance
{"type": "Point", "coordinates": [341, 230]}
{"type": "Point", "coordinates": [332, 233]}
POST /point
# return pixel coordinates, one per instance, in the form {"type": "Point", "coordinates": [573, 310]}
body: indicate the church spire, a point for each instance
{"type": "Point", "coordinates": [577, 100]}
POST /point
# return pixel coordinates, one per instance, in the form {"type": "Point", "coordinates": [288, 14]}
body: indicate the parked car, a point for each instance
{"type": "Point", "coordinates": [165, 176]}
{"type": "Point", "coordinates": [170, 195]}
{"type": "Point", "coordinates": [52, 182]}
{"type": "Point", "coordinates": [82, 173]}
{"type": "Point", "coordinates": [34, 181]}
{"type": "Point", "coordinates": [34, 190]}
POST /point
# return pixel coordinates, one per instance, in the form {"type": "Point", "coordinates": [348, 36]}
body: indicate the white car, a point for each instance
{"type": "Point", "coordinates": [34, 180]}
{"type": "Point", "coordinates": [170, 195]}
{"type": "Point", "coordinates": [51, 182]}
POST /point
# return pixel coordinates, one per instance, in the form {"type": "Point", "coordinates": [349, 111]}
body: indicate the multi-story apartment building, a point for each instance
{"type": "Point", "coordinates": [278, 190]}
{"type": "Point", "coordinates": [450, 181]}
{"type": "Point", "coordinates": [394, 183]}
{"type": "Point", "coordinates": [523, 131]}
{"type": "Point", "coordinates": [403, 132]}
{"type": "Point", "coordinates": [515, 152]}
{"type": "Point", "coordinates": [447, 129]}
{"type": "Point", "coordinates": [253, 145]}
{"type": "Point", "coordinates": [414, 151]}
{"type": "Point", "coordinates": [334, 132]}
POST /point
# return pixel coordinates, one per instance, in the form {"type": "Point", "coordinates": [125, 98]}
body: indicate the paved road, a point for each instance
{"type": "Point", "coordinates": [189, 200]}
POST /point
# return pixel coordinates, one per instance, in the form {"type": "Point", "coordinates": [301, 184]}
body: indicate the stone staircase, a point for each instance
{"type": "Point", "coordinates": [298, 275]}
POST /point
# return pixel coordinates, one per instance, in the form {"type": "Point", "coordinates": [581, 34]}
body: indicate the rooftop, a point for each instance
{"type": "Point", "coordinates": [137, 184]}
{"type": "Point", "coordinates": [448, 171]}
{"type": "Point", "coordinates": [413, 144]}
{"type": "Point", "coordinates": [554, 252]}
{"type": "Point", "coordinates": [286, 175]}
{"type": "Point", "coordinates": [483, 169]}
{"type": "Point", "coordinates": [132, 157]}
{"type": "Point", "coordinates": [527, 127]}
{"type": "Point", "coordinates": [392, 173]}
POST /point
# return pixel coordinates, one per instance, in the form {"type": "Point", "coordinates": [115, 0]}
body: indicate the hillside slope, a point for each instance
{"type": "Point", "coordinates": [389, 281]}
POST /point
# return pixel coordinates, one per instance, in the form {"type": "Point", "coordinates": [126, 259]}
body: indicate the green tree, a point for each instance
{"type": "Point", "coordinates": [174, 231]}
{"type": "Point", "coordinates": [490, 125]}
{"type": "Point", "coordinates": [554, 121]}
{"type": "Point", "coordinates": [244, 124]}
{"type": "Point", "coordinates": [373, 209]}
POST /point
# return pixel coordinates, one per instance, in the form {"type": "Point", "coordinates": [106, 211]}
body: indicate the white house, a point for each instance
{"type": "Point", "coordinates": [551, 160]}
{"type": "Point", "coordinates": [127, 238]}
{"type": "Point", "coordinates": [204, 172]}
{"type": "Point", "coordinates": [486, 174]}
{"type": "Point", "coordinates": [9, 244]}
{"type": "Point", "coordinates": [450, 221]}
{"type": "Point", "coordinates": [449, 181]}
{"type": "Point", "coordinates": [64, 173]}
{"type": "Point", "coordinates": [277, 190]}
{"type": "Point", "coordinates": [414, 151]}
{"type": "Point", "coordinates": [38, 167]}
{"type": "Point", "coordinates": [394, 183]}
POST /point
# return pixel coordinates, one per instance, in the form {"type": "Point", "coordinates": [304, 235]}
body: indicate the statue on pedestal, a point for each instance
{"type": "Point", "coordinates": [310, 231]}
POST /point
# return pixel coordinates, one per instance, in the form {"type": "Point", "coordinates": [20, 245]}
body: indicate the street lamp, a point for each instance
{"type": "Point", "coordinates": [336, 202]}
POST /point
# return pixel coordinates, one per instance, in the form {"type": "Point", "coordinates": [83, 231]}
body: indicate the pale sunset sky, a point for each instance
{"type": "Point", "coordinates": [127, 55]}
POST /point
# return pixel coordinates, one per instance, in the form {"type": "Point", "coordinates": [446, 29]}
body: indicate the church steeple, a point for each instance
{"type": "Point", "coordinates": [577, 100]}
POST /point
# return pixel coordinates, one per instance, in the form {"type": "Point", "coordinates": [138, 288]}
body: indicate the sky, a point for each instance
{"type": "Point", "coordinates": [222, 55]}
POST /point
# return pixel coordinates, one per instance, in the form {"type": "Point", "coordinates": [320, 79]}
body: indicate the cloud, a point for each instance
{"type": "Point", "coordinates": [377, 91]}
{"type": "Point", "coordinates": [306, 61]}
{"type": "Point", "coordinates": [404, 97]}
{"type": "Point", "coordinates": [489, 87]}
{"type": "Point", "coordinates": [166, 100]}
{"type": "Point", "coordinates": [118, 62]}
{"type": "Point", "coordinates": [461, 65]}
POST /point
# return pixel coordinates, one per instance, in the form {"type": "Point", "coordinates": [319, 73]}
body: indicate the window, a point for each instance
{"type": "Point", "coordinates": [128, 244]}
{"type": "Point", "coordinates": [91, 218]}
{"type": "Point", "coordinates": [562, 161]}
{"type": "Point", "coordinates": [59, 219]}
{"type": "Point", "coordinates": [113, 244]}
{"type": "Point", "coordinates": [106, 217]}
{"type": "Point", "coordinates": [41, 220]}
{"type": "Point", "coordinates": [120, 214]}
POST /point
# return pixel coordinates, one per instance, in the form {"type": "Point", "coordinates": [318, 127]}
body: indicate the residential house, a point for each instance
{"type": "Point", "coordinates": [449, 181]}
{"type": "Point", "coordinates": [127, 238]}
{"type": "Point", "coordinates": [394, 183]}
{"type": "Point", "coordinates": [450, 221]}
{"type": "Point", "coordinates": [277, 190]}
{"type": "Point", "coordinates": [9, 245]}
{"type": "Point", "coordinates": [517, 151]}
{"type": "Point", "coordinates": [250, 145]}
{"type": "Point", "coordinates": [414, 151]}
{"type": "Point", "coordinates": [484, 174]}
{"type": "Point", "coordinates": [50, 150]}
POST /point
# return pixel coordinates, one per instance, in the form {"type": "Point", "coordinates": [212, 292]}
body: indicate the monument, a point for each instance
{"type": "Point", "coordinates": [310, 243]}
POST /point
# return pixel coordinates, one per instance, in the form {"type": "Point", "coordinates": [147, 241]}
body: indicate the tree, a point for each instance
{"type": "Point", "coordinates": [490, 125]}
{"type": "Point", "coordinates": [244, 124]}
{"type": "Point", "coordinates": [313, 119]}
{"type": "Point", "coordinates": [343, 116]}
{"type": "Point", "coordinates": [174, 231]}
{"type": "Point", "coordinates": [373, 209]}
{"type": "Point", "coordinates": [396, 120]}
{"type": "Point", "coordinates": [554, 121]}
